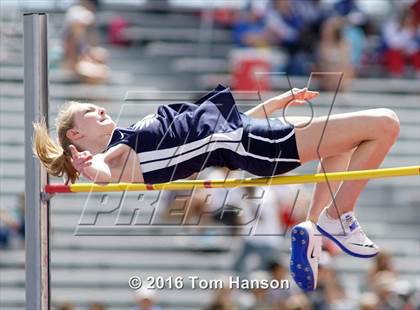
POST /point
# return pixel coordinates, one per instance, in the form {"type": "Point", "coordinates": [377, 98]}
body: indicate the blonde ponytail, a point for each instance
{"type": "Point", "coordinates": [56, 157]}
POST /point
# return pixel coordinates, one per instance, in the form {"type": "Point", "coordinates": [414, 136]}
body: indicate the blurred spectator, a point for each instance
{"type": "Point", "coordinates": [278, 297]}
{"type": "Point", "coordinates": [260, 295]}
{"type": "Point", "coordinates": [391, 292]}
{"type": "Point", "coordinates": [382, 262]}
{"type": "Point", "coordinates": [190, 205]}
{"type": "Point", "coordinates": [97, 306]}
{"type": "Point", "coordinates": [368, 301]}
{"type": "Point", "coordinates": [401, 39]}
{"type": "Point", "coordinates": [202, 208]}
{"type": "Point", "coordinates": [329, 293]}
{"type": "Point", "coordinates": [350, 9]}
{"type": "Point", "coordinates": [20, 216]}
{"type": "Point", "coordinates": [414, 299]}
{"type": "Point", "coordinates": [313, 14]}
{"type": "Point", "coordinates": [224, 204]}
{"type": "Point", "coordinates": [180, 206]}
{"type": "Point", "coordinates": [80, 54]}
{"type": "Point", "coordinates": [355, 37]}
{"type": "Point", "coordinates": [209, 213]}
{"type": "Point", "coordinates": [223, 299]}
{"type": "Point", "coordinates": [334, 56]}
{"type": "Point", "coordinates": [263, 234]}
{"type": "Point", "coordinates": [66, 306]}
{"type": "Point", "coordinates": [12, 222]}
{"type": "Point", "coordinates": [145, 299]}
{"type": "Point", "coordinates": [290, 30]}
{"type": "Point", "coordinates": [384, 282]}
{"type": "Point", "coordinates": [91, 5]}
{"type": "Point", "coordinates": [311, 11]}
{"type": "Point", "coordinates": [343, 35]}
{"type": "Point", "coordinates": [298, 302]}
{"type": "Point", "coordinates": [5, 228]}
{"type": "Point", "coordinates": [394, 293]}
{"type": "Point", "coordinates": [284, 24]}
{"type": "Point", "coordinates": [354, 23]}
{"type": "Point", "coordinates": [249, 30]}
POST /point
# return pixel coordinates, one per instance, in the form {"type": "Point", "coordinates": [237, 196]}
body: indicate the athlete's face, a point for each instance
{"type": "Point", "coordinates": [91, 120]}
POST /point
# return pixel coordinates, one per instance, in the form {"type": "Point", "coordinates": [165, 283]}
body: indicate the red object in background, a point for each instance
{"type": "Point", "coordinates": [286, 218]}
{"type": "Point", "coordinates": [415, 60]}
{"type": "Point", "coordinates": [115, 29]}
{"type": "Point", "coordinates": [396, 60]}
{"type": "Point", "coordinates": [225, 17]}
{"type": "Point", "coordinates": [250, 70]}
{"type": "Point", "coordinates": [416, 9]}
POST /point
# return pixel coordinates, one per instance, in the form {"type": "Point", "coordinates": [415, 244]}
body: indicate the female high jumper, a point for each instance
{"type": "Point", "coordinates": [183, 138]}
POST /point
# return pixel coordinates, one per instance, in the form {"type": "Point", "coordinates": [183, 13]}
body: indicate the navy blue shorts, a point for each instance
{"type": "Point", "coordinates": [270, 146]}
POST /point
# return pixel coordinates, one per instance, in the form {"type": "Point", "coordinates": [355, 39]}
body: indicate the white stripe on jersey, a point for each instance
{"type": "Point", "coordinates": [270, 140]}
{"type": "Point", "coordinates": [235, 135]}
{"type": "Point", "coordinates": [216, 144]}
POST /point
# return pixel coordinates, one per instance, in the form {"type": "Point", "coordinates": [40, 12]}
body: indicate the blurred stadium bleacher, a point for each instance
{"type": "Point", "coordinates": [169, 54]}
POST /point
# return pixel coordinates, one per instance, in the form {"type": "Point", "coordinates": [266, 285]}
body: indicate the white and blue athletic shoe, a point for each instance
{"type": "Point", "coordinates": [306, 251]}
{"type": "Point", "coordinates": [347, 234]}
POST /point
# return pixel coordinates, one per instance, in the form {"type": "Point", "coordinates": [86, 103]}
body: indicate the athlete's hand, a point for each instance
{"type": "Point", "coordinates": [295, 96]}
{"type": "Point", "coordinates": [298, 96]}
{"type": "Point", "coordinates": [80, 160]}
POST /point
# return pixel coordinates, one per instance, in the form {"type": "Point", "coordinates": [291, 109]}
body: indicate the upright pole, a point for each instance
{"type": "Point", "coordinates": [36, 206]}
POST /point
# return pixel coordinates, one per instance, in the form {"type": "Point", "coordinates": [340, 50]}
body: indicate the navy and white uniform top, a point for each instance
{"type": "Point", "coordinates": [183, 138]}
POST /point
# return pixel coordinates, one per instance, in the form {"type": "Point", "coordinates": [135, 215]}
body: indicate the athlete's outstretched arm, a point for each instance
{"type": "Point", "coordinates": [296, 96]}
{"type": "Point", "coordinates": [97, 167]}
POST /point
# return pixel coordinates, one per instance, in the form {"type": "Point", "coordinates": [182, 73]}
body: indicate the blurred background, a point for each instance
{"type": "Point", "coordinates": [99, 50]}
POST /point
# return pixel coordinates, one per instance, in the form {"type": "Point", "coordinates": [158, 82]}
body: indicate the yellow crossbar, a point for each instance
{"type": "Point", "coordinates": [231, 183]}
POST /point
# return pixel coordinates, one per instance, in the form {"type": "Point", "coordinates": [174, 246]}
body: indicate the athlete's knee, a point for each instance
{"type": "Point", "coordinates": [390, 123]}
{"type": "Point", "coordinates": [383, 123]}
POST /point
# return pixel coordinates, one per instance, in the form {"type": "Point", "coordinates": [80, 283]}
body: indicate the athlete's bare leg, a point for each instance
{"type": "Point", "coordinates": [323, 193]}
{"type": "Point", "coordinates": [364, 136]}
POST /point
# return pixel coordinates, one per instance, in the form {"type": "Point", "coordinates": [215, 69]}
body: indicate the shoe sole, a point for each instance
{"type": "Point", "coordinates": [342, 247]}
{"type": "Point", "coordinates": [300, 268]}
